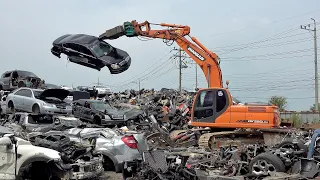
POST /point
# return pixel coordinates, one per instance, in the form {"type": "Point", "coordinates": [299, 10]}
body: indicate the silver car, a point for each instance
{"type": "Point", "coordinates": [47, 101]}
{"type": "Point", "coordinates": [116, 147]}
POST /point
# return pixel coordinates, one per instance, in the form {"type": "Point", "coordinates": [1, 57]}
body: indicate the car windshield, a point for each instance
{"type": "Point", "coordinates": [101, 106]}
{"type": "Point", "coordinates": [51, 86]}
{"type": "Point", "coordinates": [26, 74]}
{"type": "Point", "coordinates": [40, 119]}
{"type": "Point", "coordinates": [101, 48]}
{"type": "Point", "coordinates": [37, 93]}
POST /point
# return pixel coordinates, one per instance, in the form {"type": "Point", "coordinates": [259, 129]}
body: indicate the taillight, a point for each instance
{"type": "Point", "coordinates": [130, 141]}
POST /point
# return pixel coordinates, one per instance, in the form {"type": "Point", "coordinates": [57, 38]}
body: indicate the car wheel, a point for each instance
{"type": "Point", "coordinates": [97, 120]}
{"type": "Point", "coordinates": [36, 109]}
{"type": "Point", "coordinates": [21, 84]}
{"type": "Point", "coordinates": [108, 164]}
{"type": "Point", "coordinates": [290, 145]}
{"type": "Point", "coordinates": [266, 164]}
{"type": "Point", "coordinates": [11, 107]}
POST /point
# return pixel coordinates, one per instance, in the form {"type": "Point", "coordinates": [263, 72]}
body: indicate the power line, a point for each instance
{"type": "Point", "coordinates": [316, 90]}
{"type": "Point", "coordinates": [273, 22]}
{"type": "Point", "coordinates": [147, 70]}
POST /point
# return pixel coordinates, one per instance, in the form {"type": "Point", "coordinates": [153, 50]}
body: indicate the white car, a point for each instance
{"type": "Point", "coordinates": [66, 88]}
{"type": "Point", "coordinates": [38, 101]}
{"type": "Point", "coordinates": [41, 159]}
{"type": "Point", "coordinates": [102, 90]}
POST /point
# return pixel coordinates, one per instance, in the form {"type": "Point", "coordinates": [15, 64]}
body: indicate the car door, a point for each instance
{"type": "Point", "coordinates": [28, 100]}
{"type": "Point", "coordinates": [6, 80]}
{"type": "Point", "coordinates": [89, 111]}
{"type": "Point", "coordinates": [76, 108]}
{"type": "Point", "coordinates": [76, 53]}
{"type": "Point", "coordinates": [17, 99]}
{"type": "Point", "coordinates": [7, 156]}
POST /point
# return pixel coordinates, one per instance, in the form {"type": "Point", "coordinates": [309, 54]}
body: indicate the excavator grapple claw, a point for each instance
{"type": "Point", "coordinates": [113, 33]}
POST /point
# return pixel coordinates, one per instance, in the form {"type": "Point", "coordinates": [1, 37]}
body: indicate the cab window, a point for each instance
{"type": "Point", "coordinates": [221, 101]}
{"type": "Point", "coordinates": [205, 99]}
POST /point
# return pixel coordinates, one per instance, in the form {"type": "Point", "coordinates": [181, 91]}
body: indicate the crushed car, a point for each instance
{"type": "Point", "coordinates": [39, 101]}
{"type": "Point", "coordinates": [22, 160]}
{"type": "Point", "coordinates": [98, 112]}
{"type": "Point", "coordinates": [116, 146]}
{"type": "Point", "coordinates": [11, 80]}
{"type": "Point", "coordinates": [92, 52]}
{"type": "Point", "coordinates": [85, 163]}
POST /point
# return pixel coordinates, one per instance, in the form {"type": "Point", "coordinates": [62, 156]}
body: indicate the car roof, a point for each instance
{"type": "Point", "coordinates": [17, 70]}
{"type": "Point", "coordinates": [75, 38]}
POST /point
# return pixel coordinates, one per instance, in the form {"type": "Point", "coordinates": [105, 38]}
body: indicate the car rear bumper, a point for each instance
{"type": "Point", "coordinates": [112, 122]}
{"type": "Point", "coordinates": [87, 170]}
{"type": "Point", "coordinates": [129, 159]}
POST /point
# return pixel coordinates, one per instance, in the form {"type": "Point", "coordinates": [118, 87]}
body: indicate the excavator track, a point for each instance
{"type": "Point", "coordinates": [211, 141]}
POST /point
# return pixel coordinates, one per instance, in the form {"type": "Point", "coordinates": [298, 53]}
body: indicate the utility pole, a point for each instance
{"type": "Point", "coordinates": [180, 70]}
{"type": "Point", "coordinates": [316, 88]}
{"type": "Point", "coordinates": [139, 84]}
{"type": "Point", "coordinates": [181, 66]}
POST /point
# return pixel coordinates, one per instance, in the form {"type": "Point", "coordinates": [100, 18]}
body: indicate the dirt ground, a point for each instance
{"type": "Point", "coordinates": [109, 175]}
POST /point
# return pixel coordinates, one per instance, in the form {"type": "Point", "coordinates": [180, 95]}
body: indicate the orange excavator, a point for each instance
{"type": "Point", "coordinates": [213, 107]}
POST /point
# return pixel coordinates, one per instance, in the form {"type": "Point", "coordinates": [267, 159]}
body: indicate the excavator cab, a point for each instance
{"type": "Point", "coordinates": [209, 104]}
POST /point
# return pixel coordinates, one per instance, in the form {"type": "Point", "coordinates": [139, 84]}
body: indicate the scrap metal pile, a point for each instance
{"type": "Point", "coordinates": [153, 141]}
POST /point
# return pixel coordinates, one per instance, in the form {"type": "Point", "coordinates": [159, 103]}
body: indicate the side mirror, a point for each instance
{"type": "Point", "coordinates": [6, 141]}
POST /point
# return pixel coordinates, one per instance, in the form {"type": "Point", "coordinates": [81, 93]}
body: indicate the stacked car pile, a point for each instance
{"type": "Point", "coordinates": [145, 133]}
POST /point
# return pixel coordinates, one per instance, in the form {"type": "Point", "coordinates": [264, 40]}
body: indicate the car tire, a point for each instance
{"type": "Point", "coordinates": [97, 120]}
{"type": "Point", "coordinates": [289, 144]}
{"type": "Point", "coordinates": [11, 107]}
{"type": "Point", "coordinates": [108, 164]}
{"type": "Point", "coordinates": [21, 84]}
{"type": "Point", "coordinates": [36, 109]}
{"type": "Point", "coordinates": [258, 165]}
{"type": "Point", "coordinates": [1, 88]}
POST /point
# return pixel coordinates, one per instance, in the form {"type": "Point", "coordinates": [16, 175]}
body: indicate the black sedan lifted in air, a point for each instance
{"type": "Point", "coordinates": [92, 52]}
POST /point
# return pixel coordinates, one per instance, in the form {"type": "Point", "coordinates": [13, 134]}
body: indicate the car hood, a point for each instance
{"type": "Point", "coordinates": [56, 93]}
{"type": "Point", "coordinates": [117, 57]}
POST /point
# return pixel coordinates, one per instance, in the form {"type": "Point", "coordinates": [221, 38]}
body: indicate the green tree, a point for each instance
{"type": "Point", "coordinates": [279, 101]}
{"type": "Point", "coordinates": [313, 108]}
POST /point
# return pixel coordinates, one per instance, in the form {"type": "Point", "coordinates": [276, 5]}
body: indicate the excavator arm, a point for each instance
{"type": "Point", "coordinates": [207, 60]}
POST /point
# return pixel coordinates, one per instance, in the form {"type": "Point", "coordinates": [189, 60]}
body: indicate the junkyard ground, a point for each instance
{"type": "Point", "coordinates": [111, 175]}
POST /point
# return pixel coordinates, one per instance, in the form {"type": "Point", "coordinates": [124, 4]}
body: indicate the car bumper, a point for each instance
{"type": "Point", "coordinates": [112, 122]}
{"type": "Point", "coordinates": [128, 159]}
{"type": "Point", "coordinates": [104, 92]}
{"type": "Point", "coordinates": [55, 110]}
{"type": "Point", "coordinates": [87, 170]}
{"type": "Point", "coordinates": [122, 68]}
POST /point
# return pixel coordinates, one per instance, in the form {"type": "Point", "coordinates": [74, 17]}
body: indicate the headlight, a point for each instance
{"type": "Point", "coordinates": [106, 117]}
{"type": "Point", "coordinates": [47, 104]}
{"type": "Point", "coordinates": [115, 66]}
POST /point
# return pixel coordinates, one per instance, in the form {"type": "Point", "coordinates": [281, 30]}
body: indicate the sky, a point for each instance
{"type": "Point", "coordinates": [263, 51]}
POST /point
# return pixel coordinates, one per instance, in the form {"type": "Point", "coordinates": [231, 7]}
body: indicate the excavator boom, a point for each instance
{"type": "Point", "coordinates": [207, 60]}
